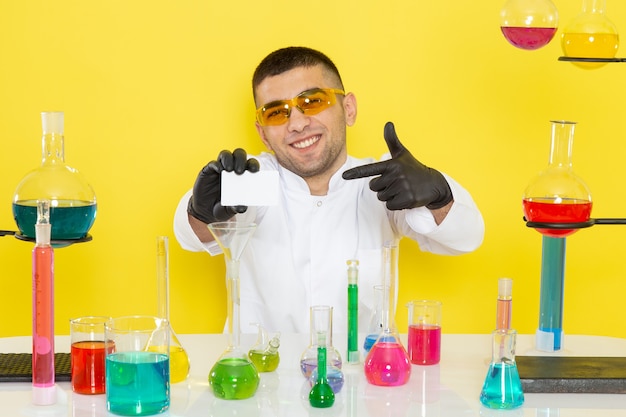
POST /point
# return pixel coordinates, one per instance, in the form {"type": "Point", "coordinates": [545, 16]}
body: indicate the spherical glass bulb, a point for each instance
{"type": "Point", "coordinates": [590, 35]}
{"type": "Point", "coordinates": [529, 24]}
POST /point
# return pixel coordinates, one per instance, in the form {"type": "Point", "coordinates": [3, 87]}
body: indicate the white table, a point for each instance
{"type": "Point", "coordinates": [450, 389]}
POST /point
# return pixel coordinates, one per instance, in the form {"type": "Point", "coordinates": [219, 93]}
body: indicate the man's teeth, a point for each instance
{"type": "Point", "coordinates": [306, 143]}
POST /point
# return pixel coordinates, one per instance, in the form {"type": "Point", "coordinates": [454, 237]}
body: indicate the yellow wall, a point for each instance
{"type": "Point", "coordinates": [154, 90]}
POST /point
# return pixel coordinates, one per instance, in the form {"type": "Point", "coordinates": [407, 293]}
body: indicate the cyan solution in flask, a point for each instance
{"type": "Point", "coordinates": [375, 326]}
{"type": "Point", "coordinates": [502, 388]}
{"type": "Point", "coordinates": [72, 200]}
{"type": "Point", "coordinates": [334, 377]}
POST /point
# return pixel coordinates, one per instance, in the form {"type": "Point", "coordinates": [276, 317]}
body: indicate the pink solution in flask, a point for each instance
{"type": "Point", "coordinates": [529, 38]}
{"type": "Point", "coordinates": [387, 363]}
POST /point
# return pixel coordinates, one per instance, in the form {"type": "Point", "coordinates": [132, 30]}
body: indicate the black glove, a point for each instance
{"type": "Point", "coordinates": [403, 181]}
{"type": "Point", "coordinates": [205, 204]}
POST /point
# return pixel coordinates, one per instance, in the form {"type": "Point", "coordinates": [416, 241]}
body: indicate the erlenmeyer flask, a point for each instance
{"type": "Point", "coordinates": [529, 24]}
{"type": "Point", "coordinates": [590, 35]}
{"type": "Point", "coordinates": [502, 388]}
{"type": "Point", "coordinates": [321, 319]}
{"type": "Point", "coordinates": [179, 360]}
{"type": "Point", "coordinates": [264, 354]}
{"type": "Point", "coordinates": [233, 376]}
{"type": "Point", "coordinates": [375, 326]}
{"type": "Point", "coordinates": [387, 362]}
{"type": "Point", "coordinates": [72, 200]}
{"type": "Point", "coordinates": [557, 194]}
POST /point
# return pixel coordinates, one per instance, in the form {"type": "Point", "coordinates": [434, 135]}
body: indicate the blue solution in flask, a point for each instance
{"type": "Point", "coordinates": [503, 388]}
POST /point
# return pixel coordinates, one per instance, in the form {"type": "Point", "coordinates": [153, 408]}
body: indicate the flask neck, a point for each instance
{"type": "Point", "coordinates": [562, 144]}
{"type": "Point", "coordinates": [504, 341]}
{"type": "Point", "coordinates": [321, 325]}
{"type": "Point", "coordinates": [594, 6]}
{"type": "Point", "coordinates": [390, 276]}
{"type": "Point", "coordinates": [53, 149]}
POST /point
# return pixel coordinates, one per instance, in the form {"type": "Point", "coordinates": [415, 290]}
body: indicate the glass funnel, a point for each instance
{"type": "Point", "coordinates": [387, 363]}
{"type": "Point", "coordinates": [557, 194]}
{"type": "Point", "coordinates": [179, 360]}
{"type": "Point", "coordinates": [233, 377]}
{"type": "Point", "coordinates": [529, 24]}
{"type": "Point", "coordinates": [72, 200]}
{"type": "Point", "coordinates": [590, 35]}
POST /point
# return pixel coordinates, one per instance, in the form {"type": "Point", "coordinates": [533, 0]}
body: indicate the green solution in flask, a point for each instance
{"type": "Point", "coordinates": [264, 354]}
{"type": "Point", "coordinates": [502, 389]}
{"type": "Point", "coordinates": [321, 395]}
{"type": "Point", "coordinates": [233, 376]}
{"type": "Point", "coordinates": [72, 200]}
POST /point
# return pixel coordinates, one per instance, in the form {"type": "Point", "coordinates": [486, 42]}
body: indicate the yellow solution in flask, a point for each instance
{"type": "Point", "coordinates": [179, 360]}
{"type": "Point", "coordinates": [590, 35]}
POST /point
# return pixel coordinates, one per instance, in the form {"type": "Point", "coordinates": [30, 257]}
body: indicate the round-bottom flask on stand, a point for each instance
{"type": "Point", "coordinates": [233, 376]}
{"type": "Point", "coordinates": [387, 363]}
{"type": "Point", "coordinates": [555, 196]}
{"type": "Point", "coordinates": [72, 199]}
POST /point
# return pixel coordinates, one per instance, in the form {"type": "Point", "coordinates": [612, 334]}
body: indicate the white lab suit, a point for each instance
{"type": "Point", "coordinates": [297, 255]}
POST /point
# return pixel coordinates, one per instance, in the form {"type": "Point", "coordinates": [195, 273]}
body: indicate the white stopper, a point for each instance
{"type": "Point", "coordinates": [505, 287]}
{"type": "Point", "coordinates": [52, 122]}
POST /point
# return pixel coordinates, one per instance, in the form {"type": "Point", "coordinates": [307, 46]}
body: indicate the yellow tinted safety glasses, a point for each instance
{"type": "Point", "coordinates": [309, 102]}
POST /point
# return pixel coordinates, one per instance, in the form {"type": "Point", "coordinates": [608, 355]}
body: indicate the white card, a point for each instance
{"type": "Point", "coordinates": [250, 188]}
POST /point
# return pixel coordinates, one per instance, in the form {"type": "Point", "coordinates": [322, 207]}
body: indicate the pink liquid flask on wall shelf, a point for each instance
{"type": "Point", "coordinates": [529, 24]}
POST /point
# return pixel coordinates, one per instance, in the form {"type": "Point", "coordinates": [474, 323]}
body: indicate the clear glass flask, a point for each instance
{"type": "Point", "coordinates": [557, 194]}
{"type": "Point", "coordinates": [179, 360]}
{"type": "Point", "coordinates": [591, 34]}
{"type": "Point", "coordinates": [387, 363]}
{"type": "Point", "coordinates": [529, 24]}
{"type": "Point", "coordinates": [264, 354]}
{"type": "Point", "coordinates": [375, 326]}
{"type": "Point", "coordinates": [321, 322]}
{"type": "Point", "coordinates": [233, 376]}
{"type": "Point", "coordinates": [72, 199]}
{"type": "Point", "coordinates": [502, 388]}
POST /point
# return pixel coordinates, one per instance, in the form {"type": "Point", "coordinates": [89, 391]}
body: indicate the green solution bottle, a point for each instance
{"type": "Point", "coordinates": [353, 311]}
{"type": "Point", "coordinates": [321, 395]}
